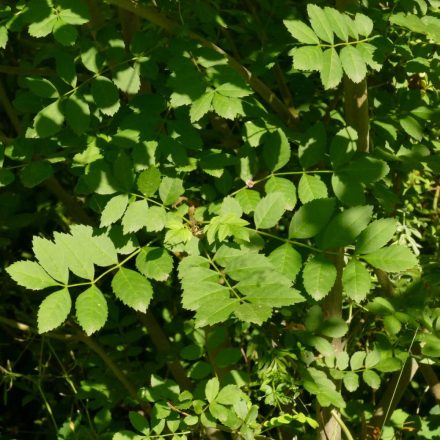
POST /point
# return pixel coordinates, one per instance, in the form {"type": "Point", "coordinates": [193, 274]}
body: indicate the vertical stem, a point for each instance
{"type": "Point", "coordinates": [356, 115]}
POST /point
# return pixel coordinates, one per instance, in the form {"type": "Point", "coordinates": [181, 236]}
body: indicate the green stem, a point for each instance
{"type": "Point", "coordinates": [342, 425]}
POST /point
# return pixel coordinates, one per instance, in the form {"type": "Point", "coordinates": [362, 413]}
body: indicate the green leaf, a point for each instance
{"type": "Point", "coordinates": [246, 265]}
{"type": "Point", "coordinates": [311, 218]}
{"type": "Point", "coordinates": [320, 23]}
{"type": "Point", "coordinates": [300, 31]}
{"type": "Point", "coordinates": [319, 276]}
{"type": "Point", "coordinates": [346, 226]}
{"type": "Point", "coordinates": [91, 310]}
{"type": "Point", "coordinates": [155, 263]}
{"type": "Point", "coordinates": [334, 328]}
{"type": "Point", "coordinates": [54, 310]}
{"type": "Point", "coordinates": [42, 87]}
{"type": "Point", "coordinates": [44, 27]}
{"type": "Point", "coordinates": [276, 149]}
{"type": "Point", "coordinates": [356, 280]}
{"type": "Point", "coordinates": [3, 37]}
{"type": "Point", "coordinates": [311, 188]}
{"type": "Point", "coordinates": [353, 63]}
{"type": "Point", "coordinates": [364, 24]}
{"type": "Point", "coordinates": [65, 67]}
{"type": "Point", "coordinates": [396, 258]}
{"type": "Point", "coordinates": [76, 13]}
{"type": "Point", "coordinates": [343, 146]}
{"type": "Point", "coordinates": [114, 210]}
{"type": "Point", "coordinates": [77, 260]}
{"type": "Point", "coordinates": [371, 378]}
{"type": "Point", "coordinates": [412, 127]}
{"type": "Point", "coordinates": [49, 120]}
{"type": "Point", "coordinates": [248, 200]}
{"type": "Point", "coordinates": [132, 289]}
{"type": "Point", "coordinates": [285, 187]}
{"type": "Point", "coordinates": [351, 381]}
{"type": "Point", "coordinates": [215, 311]}
{"type": "Point", "coordinates": [376, 235]}
{"type": "Point", "coordinates": [139, 422]}
{"type": "Point", "coordinates": [331, 72]}
{"type": "Point", "coordinates": [392, 325]}
{"type": "Point", "coordinates": [201, 106]}
{"type": "Point", "coordinates": [234, 90]}
{"type": "Point", "coordinates": [287, 260]}
{"type": "Point", "coordinates": [156, 219]}
{"type": "Point", "coordinates": [64, 33]}
{"type": "Point", "coordinates": [30, 275]}
{"type": "Point", "coordinates": [309, 58]}
{"type": "Point", "coordinates": [227, 107]}
{"type": "Point", "coordinates": [35, 173]}
{"type": "Point", "coordinates": [135, 216]}
{"type": "Point", "coordinates": [337, 22]}
{"type": "Point", "coordinates": [366, 169]}
{"type": "Point", "coordinates": [269, 210]}
{"type": "Point", "coordinates": [52, 258]}
{"type": "Point", "coordinates": [367, 52]}
{"type": "Point", "coordinates": [127, 79]}
{"type": "Point", "coordinates": [211, 389]}
{"type": "Point", "coordinates": [348, 190]}
{"type": "Point", "coordinates": [357, 360]}
{"type": "Point", "coordinates": [98, 249]}
{"type": "Point", "coordinates": [255, 313]}
{"type": "Point", "coordinates": [313, 145]}
{"type": "Point", "coordinates": [269, 288]}
{"type": "Point", "coordinates": [149, 181]}
{"type": "Point", "coordinates": [170, 189]}
{"type": "Point", "coordinates": [105, 95]}
{"type": "Point", "coordinates": [77, 113]}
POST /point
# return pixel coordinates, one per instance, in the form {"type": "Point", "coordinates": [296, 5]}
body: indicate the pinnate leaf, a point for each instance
{"type": "Point", "coordinates": [54, 310]}
{"type": "Point", "coordinates": [149, 181]}
{"type": "Point", "coordinates": [364, 25]}
{"type": "Point", "coordinates": [353, 63]}
{"type": "Point", "coordinates": [320, 23]}
{"type": "Point", "coordinates": [114, 209]}
{"type": "Point", "coordinates": [356, 280]}
{"type": "Point", "coordinates": [49, 120]}
{"type": "Point", "coordinates": [155, 263]}
{"type": "Point", "coordinates": [311, 218]}
{"type": "Point", "coordinates": [31, 275]}
{"type": "Point", "coordinates": [269, 210]}
{"type": "Point", "coordinates": [331, 72]}
{"type": "Point", "coordinates": [91, 310]}
{"type": "Point", "coordinates": [170, 189]}
{"type": "Point", "coordinates": [376, 235]}
{"type": "Point", "coordinates": [311, 188]}
{"type": "Point", "coordinates": [309, 58]}
{"type": "Point", "coordinates": [300, 31]}
{"type": "Point", "coordinates": [285, 187]}
{"type": "Point", "coordinates": [133, 289]}
{"type": "Point", "coordinates": [135, 216]}
{"type": "Point", "coordinates": [127, 79]}
{"type": "Point", "coordinates": [346, 226]}
{"type": "Point", "coordinates": [52, 258]}
{"type": "Point", "coordinates": [201, 106]}
{"type": "Point", "coordinates": [396, 258]}
{"type": "Point", "coordinates": [338, 23]}
{"type": "Point", "coordinates": [105, 95]}
{"type": "Point", "coordinates": [319, 276]}
{"type": "Point", "coordinates": [287, 260]}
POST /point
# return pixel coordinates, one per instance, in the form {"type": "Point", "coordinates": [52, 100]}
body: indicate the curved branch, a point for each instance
{"type": "Point", "coordinates": [289, 116]}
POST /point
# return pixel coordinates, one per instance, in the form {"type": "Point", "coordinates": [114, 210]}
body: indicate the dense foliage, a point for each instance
{"type": "Point", "coordinates": [219, 219]}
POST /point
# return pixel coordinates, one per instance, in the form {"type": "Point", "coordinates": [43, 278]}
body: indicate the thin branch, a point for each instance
{"type": "Point", "coordinates": [154, 16]}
